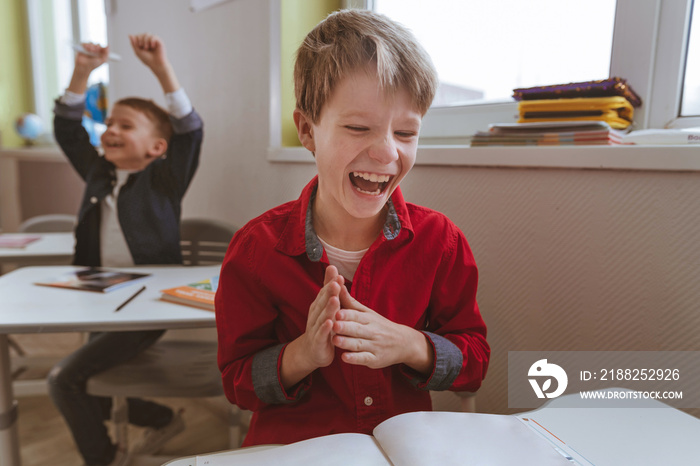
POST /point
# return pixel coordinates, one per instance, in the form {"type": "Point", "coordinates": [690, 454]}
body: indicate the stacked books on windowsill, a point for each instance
{"type": "Point", "coordinates": [583, 113]}
{"type": "Point", "coordinates": [609, 100]}
{"type": "Point", "coordinates": [555, 133]}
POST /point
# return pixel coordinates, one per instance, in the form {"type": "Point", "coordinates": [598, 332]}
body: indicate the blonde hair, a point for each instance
{"type": "Point", "coordinates": [348, 40]}
{"type": "Point", "coordinates": [152, 111]}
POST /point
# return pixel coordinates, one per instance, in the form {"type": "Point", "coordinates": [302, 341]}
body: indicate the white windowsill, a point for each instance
{"type": "Point", "coordinates": [46, 153]}
{"type": "Point", "coordinates": [664, 158]}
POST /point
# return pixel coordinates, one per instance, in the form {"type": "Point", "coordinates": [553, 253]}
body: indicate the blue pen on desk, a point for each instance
{"type": "Point", "coordinates": [130, 299]}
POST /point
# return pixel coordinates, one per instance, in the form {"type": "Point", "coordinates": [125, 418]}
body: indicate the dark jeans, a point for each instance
{"type": "Point", "coordinates": [85, 414]}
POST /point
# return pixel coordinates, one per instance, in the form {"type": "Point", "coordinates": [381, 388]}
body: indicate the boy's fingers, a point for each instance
{"type": "Point", "coordinates": [330, 274]}
{"type": "Point", "coordinates": [353, 315]}
{"type": "Point", "coordinates": [328, 291]}
{"type": "Point", "coordinates": [358, 359]}
{"type": "Point", "coordinates": [352, 344]}
{"type": "Point", "coordinates": [332, 290]}
{"type": "Point", "coordinates": [347, 301]}
{"type": "Point", "coordinates": [352, 330]}
{"type": "Point", "coordinates": [331, 307]}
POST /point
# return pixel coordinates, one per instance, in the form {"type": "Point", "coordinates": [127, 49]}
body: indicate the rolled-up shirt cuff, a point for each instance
{"type": "Point", "coordinates": [178, 103]}
{"type": "Point", "coordinates": [448, 363]}
{"type": "Point", "coordinates": [70, 112]}
{"type": "Point", "coordinates": [266, 379]}
{"type": "Point", "coordinates": [191, 122]}
{"type": "Point", "coordinates": [71, 98]}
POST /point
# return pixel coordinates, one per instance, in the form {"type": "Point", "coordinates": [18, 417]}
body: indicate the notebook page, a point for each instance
{"type": "Point", "coordinates": [330, 450]}
{"type": "Point", "coordinates": [440, 438]}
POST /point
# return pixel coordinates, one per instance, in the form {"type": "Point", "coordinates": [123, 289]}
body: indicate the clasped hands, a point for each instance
{"type": "Point", "coordinates": [337, 320]}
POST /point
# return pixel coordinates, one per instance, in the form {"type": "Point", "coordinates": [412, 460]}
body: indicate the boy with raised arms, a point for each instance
{"type": "Point", "coordinates": [129, 215]}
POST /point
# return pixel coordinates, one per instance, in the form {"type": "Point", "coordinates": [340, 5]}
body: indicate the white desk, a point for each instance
{"type": "Point", "coordinates": [28, 308]}
{"type": "Point", "coordinates": [52, 248]}
{"type": "Point", "coordinates": [648, 434]}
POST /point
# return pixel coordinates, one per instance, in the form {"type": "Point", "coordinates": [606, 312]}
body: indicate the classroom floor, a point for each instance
{"type": "Point", "coordinates": [45, 439]}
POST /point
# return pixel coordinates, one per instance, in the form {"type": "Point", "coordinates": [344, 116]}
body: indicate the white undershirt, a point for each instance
{"type": "Point", "coordinates": [345, 261]}
{"type": "Point", "coordinates": [113, 248]}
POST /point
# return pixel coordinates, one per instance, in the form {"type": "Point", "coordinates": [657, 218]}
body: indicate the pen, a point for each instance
{"type": "Point", "coordinates": [129, 300]}
{"type": "Point", "coordinates": [81, 49]}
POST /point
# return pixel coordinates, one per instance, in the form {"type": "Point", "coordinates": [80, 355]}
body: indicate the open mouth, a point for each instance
{"type": "Point", "coordinates": [369, 183]}
{"type": "Point", "coordinates": [113, 145]}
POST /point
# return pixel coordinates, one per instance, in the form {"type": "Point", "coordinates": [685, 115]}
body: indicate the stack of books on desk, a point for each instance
{"type": "Point", "coordinates": [609, 100]}
{"type": "Point", "coordinates": [557, 133]}
{"type": "Point", "coordinates": [199, 294]}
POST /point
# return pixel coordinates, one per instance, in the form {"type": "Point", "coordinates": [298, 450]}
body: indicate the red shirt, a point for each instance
{"type": "Point", "coordinates": [419, 273]}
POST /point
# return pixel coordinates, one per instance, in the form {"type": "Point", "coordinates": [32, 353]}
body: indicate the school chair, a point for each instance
{"type": "Point", "coordinates": [174, 367]}
{"type": "Point", "coordinates": [50, 223]}
{"type": "Point", "coordinates": [203, 241]}
{"type": "Point", "coordinates": [23, 362]}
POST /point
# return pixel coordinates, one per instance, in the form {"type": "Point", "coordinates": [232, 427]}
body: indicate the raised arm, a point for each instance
{"type": "Point", "coordinates": [85, 64]}
{"type": "Point", "coordinates": [150, 49]}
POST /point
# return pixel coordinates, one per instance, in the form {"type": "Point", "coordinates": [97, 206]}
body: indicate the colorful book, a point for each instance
{"type": "Point", "coordinates": [17, 241]}
{"type": "Point", "coordinates": [614, 86]}
{"type": "Point", "coordinates": [562, 133]}
{"type": "Point", "coordinates": [199, 294]}
{"type": "Point", "coordinates": [615, 111]}
{"type": "Point", "coordinates": [95, 279]}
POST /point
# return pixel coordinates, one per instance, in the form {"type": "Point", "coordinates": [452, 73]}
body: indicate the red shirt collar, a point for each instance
{"type": "Point", "coordinates": [299, 238]}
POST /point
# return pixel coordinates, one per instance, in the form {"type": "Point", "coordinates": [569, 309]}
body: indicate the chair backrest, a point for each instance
{"type": "Point", "coordinates": [204, 241]}
{"type": "Point", "coordinates": [51, 223]}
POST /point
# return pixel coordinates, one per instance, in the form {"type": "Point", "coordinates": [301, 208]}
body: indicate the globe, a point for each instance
{"type": "Point", "coordinates": [96, 103]}
{"type": "Point", "coordinates": [29, 126]}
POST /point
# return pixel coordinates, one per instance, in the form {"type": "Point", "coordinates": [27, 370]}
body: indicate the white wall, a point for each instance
{"type": "Point", "coordinates": [221, 56]}
{"type": "Point", "coordinates": [569, 259]}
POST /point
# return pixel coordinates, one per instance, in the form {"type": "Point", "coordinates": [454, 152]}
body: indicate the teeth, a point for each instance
{"type": "Point", "coordinates": [373, 177]}
{"type": "Point", "coordinates": [374, 193]}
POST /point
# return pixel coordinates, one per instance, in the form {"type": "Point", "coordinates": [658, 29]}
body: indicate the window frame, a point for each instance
{"type": "Point", "coordinates": [634, 57]}
{"type": "Point", "coordinates": [43, 91]}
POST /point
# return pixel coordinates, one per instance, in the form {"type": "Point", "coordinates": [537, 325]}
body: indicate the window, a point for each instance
{"type": "Point", "coordinates": [647, 42]}
{"type": "Point", "coordinates": [651, 45]}
{"type": "Point", "coordinates": [54, 25]}
{"type": "Point", "coordinates": [690, 105]}
{"type": "Point", "coordinates": [483, 54]}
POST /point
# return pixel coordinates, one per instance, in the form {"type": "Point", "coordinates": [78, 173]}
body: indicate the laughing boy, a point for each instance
{"type": "Point", "coordinates": [347, 306]}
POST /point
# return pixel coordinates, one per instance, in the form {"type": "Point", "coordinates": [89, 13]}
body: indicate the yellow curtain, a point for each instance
{"type": "Point", "coordinates": [298, 18]}
{"type": "Point", "coordinates": [15, 70]}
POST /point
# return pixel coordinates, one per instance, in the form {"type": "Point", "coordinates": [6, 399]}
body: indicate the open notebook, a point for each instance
{"type": "Point", "coordinates": [420, 438]}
